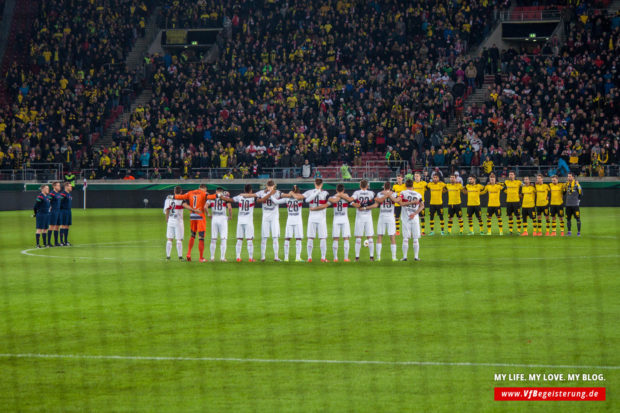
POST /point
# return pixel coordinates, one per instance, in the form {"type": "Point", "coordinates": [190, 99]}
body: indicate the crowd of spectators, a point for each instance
{"type": "Point", "coordinates": [75, 79]}
{"type": "Point", "coordinates": [320, 81]}
{"type": "Point", "coordinates": [555, 107]}
{"type": "Point", "coordinates": [307, 83]}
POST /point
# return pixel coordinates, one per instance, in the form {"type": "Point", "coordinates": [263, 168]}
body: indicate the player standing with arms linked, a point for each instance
{"type": "Point", "coordinates": [542, 205]}
{"type": "Point", "coordinates": [419, 186]}
{"type": "Point", "coordinates": [221, 213]}
{"type": "Point", "coordinates": [173, 209]}
{"type": "Point", "coordinates": [412, 205]}
{"type": "Point", "coordinates": [271, 220]}
{"type": "Point", "coordinates": [317, 220]}
{"type": "Point", "coordinates": [387, 222]}
{"type": "Point", "coordinates": [65, 214]}
{"type": "Point", "coordinates": [398, 187]}
{"type": "Point", "coordinates": [340, 225]}
{"type": "Point", "coordinates": [527, 208]}
{"type": "Point", "coordinates": [437, 190]}
{"type": "Point", "coordinates": [557, 199]}
{"type": "Point", "coordinates": [512, 187]}
{"type": "Point", "coordinates": [197, 200]}
{"type": "Point", "coordinates": [573, 198]}
{"type": "Point", "coordinates": [294, 222]}
{"type": "Point", "coordinates": [364, 202]}
{"type": "Point", "coordinates": [454, 203]}
{"type": "Point", "coordinates": [42, 214]}
{"type": "Point", "coordinates": [494, 207]}
{"type": "Point", "coordinates": [473, 191]}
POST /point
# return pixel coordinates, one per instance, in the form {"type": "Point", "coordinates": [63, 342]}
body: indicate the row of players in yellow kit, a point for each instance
{"type": "Point", "coordinates": [523, 201]}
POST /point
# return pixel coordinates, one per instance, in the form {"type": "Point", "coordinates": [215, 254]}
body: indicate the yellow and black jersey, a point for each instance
{"type": "Point", "coordinates": [557, 193]}
{"type": "Point", "coordinates": [494, 192]}
{"type": "Point", "coordinates": [529, 196]}
{"type": "Point", "coordinates": [400, 188]}
{"type": "Point", "coordinates": [513, 190]}
{"type": "Point", "coordinates": [473, 194]}
{"type": "Point", "coordinates": [437, 190]}
{"type": "Point", "coordinates": [542, 195]}
{"type": "Point", "coordinates": [454, 193]}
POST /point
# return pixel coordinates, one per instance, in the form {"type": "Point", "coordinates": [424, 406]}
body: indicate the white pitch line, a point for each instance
{"type": "Point", "coordinates": [298, 361]}
{"type": "Point", "coordinates": [27, 251]}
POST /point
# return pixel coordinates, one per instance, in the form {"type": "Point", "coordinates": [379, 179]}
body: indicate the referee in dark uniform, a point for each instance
{"type": "Point", "coordinates": [42, 214]}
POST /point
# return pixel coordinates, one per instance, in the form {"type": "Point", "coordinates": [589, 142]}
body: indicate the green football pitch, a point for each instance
{"type": "Point", "coordinates": [110, 325]}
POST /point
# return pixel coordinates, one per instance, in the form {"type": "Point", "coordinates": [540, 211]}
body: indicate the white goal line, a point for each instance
{"type": "Point", "coordinates": [296, 361]}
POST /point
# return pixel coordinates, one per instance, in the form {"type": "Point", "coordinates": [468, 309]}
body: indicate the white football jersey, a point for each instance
{"type": "Point", "coordinates": [270, 207]}
{"type": "Point", "coordinates": [387, 207]}
{"type": "Point", "coordinates": [409, 195]}
{"type": "Point", "coordinates": [175, 208]}
{"type": "Point", "coordinates": [316, 197]}
{"type": "Point", "coordinates": [246, 208]}
{"type": "Point", "coordinates": [365, 198]}
{"type": "Point", "coordinates": [341, 210]}
{"type": "Point", "coordinates": [218, 207]}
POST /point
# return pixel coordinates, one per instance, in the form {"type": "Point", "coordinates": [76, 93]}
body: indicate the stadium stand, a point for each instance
{"type": "Point", "coordinates": [69, 81]}
{"type": "Point", "coordinates": [374, 85]}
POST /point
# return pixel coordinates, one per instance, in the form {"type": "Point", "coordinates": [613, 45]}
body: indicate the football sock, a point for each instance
{"type": "Point", "coordinates": [263, 248]}
{"type": "Point", "coordinates": [38, 237]}
{"type": "Point", "coordinates": [423, 224]}
{"type": "Point", "coordinates": [471, 224]}
{"type": "Point", "coordinates": [287, 244]}
{"type": "Point", "coordinates": [55, 237]}
{"type": "Point", "coordinates": [62, 236]}
{"type": "Point", "coordinates": [461, 224]}
{"type": "Point", "coordinates": [489, 223]}
{"type": "Point", "coordinates": [347, 247]}
{"type": "Point", "coordinates": [190, 246]}
{"type": "Point", "coordinates": [501, 225]}
{"type": "Point", "coordinates": [49, 237]}
{"type": "Point", "coordinates": [309, 247]}
{"type": "Point", "coordinates": [179, 248]}
{"type": "Point", "coordinates": [238, 248]}
{"type": "Point", "coordinates": [371, 247]}
{"type": "Point", "coordinates": [298, 249]}
{"type": "Point", "coordinates": [405, 247]}
{"type": "Point", "coordinates": [416, 248]}
{"type": "Point", "coordinates": [554, 225]}
{"type": "Point", "coordinates": [250, 248]}
{"type": "Point", "coordinates": [432, 224]}
{"type": "Point", "coordinates": [223, 242]}
{"type": "Point", "coordinates": [578, 224]}
{"type": "Point", "coordinates": [44, 238]}
{"type": "Point", "coordinates": [393, 248]}
{"type": "Point", "coordinates": [441, 222]}
{"type": "Point", "coordinates": [276, 247]}
{"type": "Point", "coordinates": [397, 225]}
{"type": "Point", "coordinates": [212, 248]}
{"type": "Point", "coordinates": [335, 249]}
{"type": "Point", "coordinates": [201, 247]}
{"type": "Point", "coordinates": [510, 223]}
{"type": "Point", "coordinates": [323, 246]}
{"type": "Point", "coordinates": [66, 235]}
{"type": "Point", "coordinates": [168, 248]}
{"type": "Point", "coordinates": [561, 224]}
{"type": "Point", "coordinates": [519, 222]}
{"type": "Point", "coordinates": [358, 247]}
{"type": "Point", "coordinates": [379, 250]}
{"type": "Point", "coordinates": [449, 224]}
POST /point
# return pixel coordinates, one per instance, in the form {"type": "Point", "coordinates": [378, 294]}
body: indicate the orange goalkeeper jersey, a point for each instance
{"type": "Point", "coordinates": [197, 200]}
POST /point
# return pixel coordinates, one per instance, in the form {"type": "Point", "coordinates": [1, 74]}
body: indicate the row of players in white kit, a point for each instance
{"type": "Point", "coordinates": [318, 200]}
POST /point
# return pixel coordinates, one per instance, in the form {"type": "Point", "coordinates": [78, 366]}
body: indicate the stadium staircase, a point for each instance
{"type": "Point", "coordinates": [20, 18]}
{"type": "Point", "coordinates": [133, 61]}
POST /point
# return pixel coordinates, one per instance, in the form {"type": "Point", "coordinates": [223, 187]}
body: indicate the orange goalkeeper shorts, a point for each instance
{"type": "Point", "coordinates": [198, 225]}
